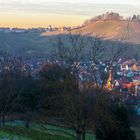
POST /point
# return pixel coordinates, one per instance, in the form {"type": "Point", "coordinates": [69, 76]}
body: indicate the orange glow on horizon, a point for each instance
{"type": "Point", "coordinates": [29, 21]}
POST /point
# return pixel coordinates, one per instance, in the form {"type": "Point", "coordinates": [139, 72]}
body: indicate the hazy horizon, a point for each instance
{"type": "Point", "coordinates": [34, 13]}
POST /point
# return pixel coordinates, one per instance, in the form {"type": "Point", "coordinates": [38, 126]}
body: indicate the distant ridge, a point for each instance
{"type": "Point", "coordinates": [110, 26]}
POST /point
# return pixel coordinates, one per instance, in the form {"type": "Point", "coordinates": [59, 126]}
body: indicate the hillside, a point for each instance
{"type": "Point", "coordinates": [109, 26]}
{"type": "Point", "coordinates": [118, 30]}
{"type": "Point", "coordinates": [27, 45]}
{"type": "Point", "coordinates": [35, 46]}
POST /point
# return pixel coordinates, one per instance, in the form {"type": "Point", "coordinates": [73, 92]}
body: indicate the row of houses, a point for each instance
{"type": "Point", "coordinates": [37, 30]}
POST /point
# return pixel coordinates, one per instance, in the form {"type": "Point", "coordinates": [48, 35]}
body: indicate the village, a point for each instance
{"type": "Point", "coordinates": [123, 78]}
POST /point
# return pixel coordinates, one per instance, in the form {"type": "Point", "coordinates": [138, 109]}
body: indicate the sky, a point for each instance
{"type": "Point", "coordinates": [41, 13]}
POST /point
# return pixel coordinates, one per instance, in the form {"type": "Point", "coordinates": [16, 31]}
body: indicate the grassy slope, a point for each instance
{"type": "Point", "coordinates": [110, 29]}
{"type": "Point", "coordinates": [36, 132]}
{"type": "Point", "coordinates": [114, 30]}
{"type": "Point", "coordinates": [137, 131]}
{"type": "Point", "coordinates": [44, 130]}
{"type": "Point", "coordinates": [4, 135]}
{"type": "Point", "coordinates": [30, 134]}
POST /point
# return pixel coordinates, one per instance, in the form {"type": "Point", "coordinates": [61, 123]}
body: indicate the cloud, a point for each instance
{"type": "Point", "coordinates": [73, 7]}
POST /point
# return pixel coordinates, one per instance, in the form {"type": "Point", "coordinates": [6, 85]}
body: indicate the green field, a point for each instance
{"type": "Point", "coordinates": [137, 131]}
{"type": "Point", "coordinates": [17, 131]}
{"type": "Point", "coordinates": [20, 133]}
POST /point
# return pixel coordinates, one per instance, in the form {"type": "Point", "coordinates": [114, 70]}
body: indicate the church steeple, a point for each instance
{"type": "Point", "coordinates": [109, 84]}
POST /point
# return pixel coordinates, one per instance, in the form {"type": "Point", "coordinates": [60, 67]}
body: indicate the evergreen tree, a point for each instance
{"type": "Point", "coordinates": [111, 120]}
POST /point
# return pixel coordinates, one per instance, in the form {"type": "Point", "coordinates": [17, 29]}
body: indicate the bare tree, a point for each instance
{"type": "Point", "coordinates": [9, 99]}
{"type": "Point", "coordinates": [96, 52]}
{"type": "Point", "coordinates": [65, 100]}
{"type": "Point", "coordinates": [70, 49]}
{"type": "Point", "coordinates": [11, 86]}
{"type": "Point", "coordinates": [77, 102]}
{"type": "Point", "coordinates": [9, 94]}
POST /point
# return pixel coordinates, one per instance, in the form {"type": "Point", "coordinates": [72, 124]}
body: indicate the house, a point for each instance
{"type": "Point", "coordinates": [136, 79]}
{"type": "Point", "coordinates": [124, 67]}
{"type": "Point", "coordinates": [128, 74]}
